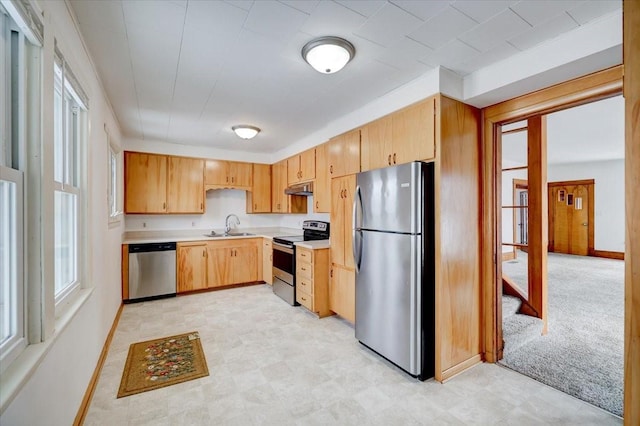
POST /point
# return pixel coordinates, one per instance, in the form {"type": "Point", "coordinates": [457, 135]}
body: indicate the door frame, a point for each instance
{"type": "Point", "coordinates": [591, 183]}
{"type": "Point", "coordinates": [600, 85]}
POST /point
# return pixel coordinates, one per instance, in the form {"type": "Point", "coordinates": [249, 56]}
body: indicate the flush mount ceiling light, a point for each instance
{"type": "Point", "coordinates": [245, 131]}
{"type": "Point", "coordinates": [328, 54]}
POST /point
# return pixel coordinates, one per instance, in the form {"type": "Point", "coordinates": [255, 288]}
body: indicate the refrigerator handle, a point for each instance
{"type": "Point", "coordinates": [356, 240]}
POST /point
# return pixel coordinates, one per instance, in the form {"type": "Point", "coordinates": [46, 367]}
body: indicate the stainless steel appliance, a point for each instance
{"type": "Point", "coordinates": [393, 248]}
{"type": "Point", "coordinates": [152, 271]}
{"type": "Point", "coordinates": [284, 258]}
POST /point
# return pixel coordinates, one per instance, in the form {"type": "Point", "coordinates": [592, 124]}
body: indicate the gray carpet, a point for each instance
{"type": "Point", "coordinates": [582, 354]}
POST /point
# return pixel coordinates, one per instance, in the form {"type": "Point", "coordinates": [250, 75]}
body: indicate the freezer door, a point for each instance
{"type": "Point", "coordinates": [390, 199]}
{"type": "Point", "coordinates": [388, 294]}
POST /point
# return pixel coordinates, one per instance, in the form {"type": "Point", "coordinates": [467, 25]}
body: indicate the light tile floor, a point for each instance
{"type": "Point", "coordinates": [270, 363]}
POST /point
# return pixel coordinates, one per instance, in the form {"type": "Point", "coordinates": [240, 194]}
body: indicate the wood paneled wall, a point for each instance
{"type": "Point", "coordinates": [631, 43]}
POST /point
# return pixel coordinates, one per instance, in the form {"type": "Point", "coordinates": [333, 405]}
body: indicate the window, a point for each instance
{"type": "Point", "coordinates": [12, 312]}
{"type": "Point", "coordinates": [113, 195]}
{"type": "Point", "coordinates": [69, 116]}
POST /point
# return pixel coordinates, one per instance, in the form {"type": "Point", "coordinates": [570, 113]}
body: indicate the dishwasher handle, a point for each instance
{"type": "Point", "coordinates": [149, 247]}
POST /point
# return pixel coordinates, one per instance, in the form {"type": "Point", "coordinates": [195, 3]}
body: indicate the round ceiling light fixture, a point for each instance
{"type": "Point", "coordinates": [328, 54]}
{"type": "Point", "coordinates": [245, 131]}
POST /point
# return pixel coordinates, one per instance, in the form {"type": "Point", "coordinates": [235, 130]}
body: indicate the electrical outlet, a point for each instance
{"type": "Point", "coordinates": [144, 224]}
{"type": "Point", "coordinates": [193, 224]}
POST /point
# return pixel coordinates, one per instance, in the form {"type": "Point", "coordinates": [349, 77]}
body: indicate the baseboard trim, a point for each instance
{"type": "Point", "coordinates": [609, 254]}
{"type": "Point", "coordinates": [459, 368]}
{"type": "Point", "coordinates": [91, 387]}
{"type": "Point", "coordinates": [508, 255]}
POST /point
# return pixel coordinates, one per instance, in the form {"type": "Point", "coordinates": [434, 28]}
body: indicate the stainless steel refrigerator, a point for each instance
{"type": "Point", "coordinates": [393, 248]}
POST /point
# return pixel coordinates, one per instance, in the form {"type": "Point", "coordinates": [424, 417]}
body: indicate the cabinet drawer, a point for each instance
{"type": "Point", "coordinates": [305, 300]}
{"type": "Point", "coordinates": [304, 255]}
{"type": "Point", "coordinates": [304, 285]}
{"type": "Point", "coordinates": [304, 270]}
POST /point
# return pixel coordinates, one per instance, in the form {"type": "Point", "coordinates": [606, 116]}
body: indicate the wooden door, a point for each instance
{"type": "Point", "coordinates": [337, 219]}
{"type": "Point", "coordinates": [322, 187]}
{"type": "Point", "coordinates": [145, 183]}
{"type": "Point", "coordinates": [376, 149]}
{"type": "Point", "coordinates": [267, 261]}
{"type": "Point", "coordinates": [571, 217]}
{"type": "Point", "coordinates": [216, 172]}
{"type": "Point", "coordinates": [185, 190]}
{"type": "Point", "coordinates": [240, 174]}
{"type": "Point", "coordinates": [293, 169]}
{"type": "Point", "coordinates": [308, 165]}
{"type": "Point", "coordinates": [219, 265]}
{"type": "Point", "coordinates": [245, 262]}
{"type": "Point", "coordinates": [414, 132]}
{"type": "Point", "coordinates": [349, 191]}
{"type": "Point", "coordinates": [259, 198]}
{"type": "Point", "coordinates": [342, 292]}
{"type": "Point", "coordinates": [192, 266]}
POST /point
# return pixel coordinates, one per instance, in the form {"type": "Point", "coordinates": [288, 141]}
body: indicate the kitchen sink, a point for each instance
{"type": "Point", "coordinates": [230, 234]}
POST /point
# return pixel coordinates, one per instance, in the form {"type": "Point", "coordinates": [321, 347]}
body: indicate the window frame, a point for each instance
{"type": "Point", "coordinates": [114, 178]}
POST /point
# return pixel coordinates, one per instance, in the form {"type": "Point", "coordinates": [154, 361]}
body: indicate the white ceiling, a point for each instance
{"type": "Point", "coordinates": [185, 71]}
{"type": "Point", "coordinates": [591, 132]}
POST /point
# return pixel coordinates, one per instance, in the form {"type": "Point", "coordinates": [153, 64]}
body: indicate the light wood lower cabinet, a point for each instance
{"type": "Point", "coordinates": [192, 266]}
{"type": "Point", "coordinates": [267, 261]}
{"type": "Point", "coordinates": [312, 280]}
{"type": "Point", "coordinates": [342, 292]}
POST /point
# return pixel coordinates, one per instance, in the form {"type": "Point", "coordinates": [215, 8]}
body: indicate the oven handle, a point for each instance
{"type": "Point", "coordinates": [282, 247]}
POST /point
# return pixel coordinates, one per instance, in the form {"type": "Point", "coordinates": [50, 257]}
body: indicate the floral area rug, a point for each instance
{"type": "Point", "coordinates": [163, 362]}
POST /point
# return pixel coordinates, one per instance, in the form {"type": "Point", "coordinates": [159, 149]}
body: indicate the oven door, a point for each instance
{"type": "Point", "coordinates": [284, 262]}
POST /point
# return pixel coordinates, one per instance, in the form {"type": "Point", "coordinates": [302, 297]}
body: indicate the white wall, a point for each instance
{"type": "Point", "coordinates": [609, 198]}
{"type": "Point", "coordinates": [53, 393]}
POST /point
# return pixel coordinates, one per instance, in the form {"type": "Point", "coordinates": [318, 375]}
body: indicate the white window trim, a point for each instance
{"type": "Point", "coordinates": [114, 192]}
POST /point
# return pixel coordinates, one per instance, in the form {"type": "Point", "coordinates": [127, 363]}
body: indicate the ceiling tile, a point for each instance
{"type": "Point", "coordinates": [594, 9]}
{"type": "Point", "coordinates": [497, 53]}
{"type": "Point", "coordinates": [274, 19]}
{"type": "Point", "coordinates": [306, 6]}
{"type": "Point", "coordinates": [422, 9]}
{"type": "Point", "coordinates": [501, 27]}
{"type": "Point", "coordinates": [364, 8]}
{"type": "Point", "coordinates": [537, 12]}
{"type": "Point", "coordinates": [388, 25]}
{"type": "Point", "coordinates": [550, 29]}
{"type": "Point", "coordinates": [481, 10]}
{"type": "Point", "coordinates": [442, 28]}
{"type": "Point", "coordinates": [404, 53]}
{"type": "Point", "coordinates": [241, 4]}
{"type": "Point", "coordinates": [452, 53]}
{"type": "Point", "coordinates": [331, 18]}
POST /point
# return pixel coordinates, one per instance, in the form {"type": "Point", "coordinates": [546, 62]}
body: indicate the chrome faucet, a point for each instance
{"type": "Point", "coordinates": [227, 224]}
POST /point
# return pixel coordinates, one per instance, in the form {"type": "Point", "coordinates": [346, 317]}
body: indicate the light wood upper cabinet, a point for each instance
{"type": "Point", "coordinates": [344, 154]}
{"type": "Point", "coordinates": [267, 261]}
{"type": "Point", "coordinates": [220, 174]}
{"type": "Point", "coordinates": [259, 198]}
{"type": "Point", "coordinates": [302, 167]}
{"type": "Point", "coordinates": [185, 190]}
{"type": "Point", "coordinates": [322, 186]}
{"type": "Point", "coordinates": [404, 136]}
{"type": "Point", "coordinates": [192, 266]}
{"type": "Point", "coordinates": [279, 203]}
{"type": "Point", "coordinates": [145, 183]}
{"type": "Point", "coordinates": [163, 184]}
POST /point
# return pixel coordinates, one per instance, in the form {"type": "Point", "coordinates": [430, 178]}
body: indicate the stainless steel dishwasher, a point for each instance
{"type": "Point", "coordinates": [152, 271]}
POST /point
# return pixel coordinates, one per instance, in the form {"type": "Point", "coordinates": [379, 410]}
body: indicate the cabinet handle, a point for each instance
{"type": "Point", "coordinates": [201, 206]}
{"type": "Point", "coordinates": [232, 179]}
{"type": "Point", "coordinates": [164, 206]}
{"type": "Point", "coordinates": [204, 253]}
{"type": "Point", "coordinates": [389, 159]}
{"type": "Point", "coordinates": [394, 158]}
{"type": "Point", "coordinates": [302, 297]}
{"type": "Point", "coordinates": [303, 269]}
{"type": "Point", "coordinates": [331, 273]}
{"type": "Point", "coordinates": [331, 169]}
{"type": "Point", "coordinates": [255, 207]}
{"type": "Point", "coordinates": [227, 179]}
{"type": "Point", "coordinates": [317, 205]}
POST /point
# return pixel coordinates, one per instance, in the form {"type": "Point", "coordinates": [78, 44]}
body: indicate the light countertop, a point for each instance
{"type": "Point", "coordinates": [314, 245]}
{"type": "Point", "coordinates": [143, 237]}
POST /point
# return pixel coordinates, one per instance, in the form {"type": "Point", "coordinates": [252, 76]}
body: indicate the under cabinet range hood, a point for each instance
{"type": "Point", "coordinates": [300, 189]}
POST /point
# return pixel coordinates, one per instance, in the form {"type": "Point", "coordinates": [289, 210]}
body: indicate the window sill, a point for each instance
{"type": "Point", "coordinates": [25, 365]}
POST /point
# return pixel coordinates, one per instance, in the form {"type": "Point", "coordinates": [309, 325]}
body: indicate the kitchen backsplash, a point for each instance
{"type": "Point", "coordinates": [219, 204]}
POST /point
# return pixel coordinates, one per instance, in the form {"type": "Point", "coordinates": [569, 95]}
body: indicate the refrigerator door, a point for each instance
{"type": "Point", "coordinates": [391, 199]}
{"type": "Point", "coordinates": [388, 297]}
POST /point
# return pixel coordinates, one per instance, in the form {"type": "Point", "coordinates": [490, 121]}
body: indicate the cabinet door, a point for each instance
{"type": "Point", "coordinates": [245, 262]}
{"type": "Point", "coordinates": [279, 183]}
{"type": "Point", "coordinates": [216, 172]}
{"type": "Point", "coordinates": [322, 187]}
{"type": "Point", "coordinates": [259, 198]}
{"type": "Point", "coordinates": [344, 154]}
{"type": "Point", "coordinates": [414, 132]}
{"type": "Point", "coordinates": [376, 149]}
{"type": "Point", "coordinates": [145, 183]}
{"type": "Point", "coordinates": [186, 185]}
{"type": "Point", "coordinates": [342, 294]}
{"type": "Point", "coordinates": [192, 266]}
{"type": "Point", "coordinates": [240, 174]}
{"type": "Point", "coordinates": [267, 261]}
{"type": "Point", "coordinates": [337, 220]}
{"type": "Point", "coordinates": [293, 169]}
{"type": "Point", "coordinates": [219, 265]}
{"type": "Point", "coordinates": [308, 165]}
{"type": "Point", "coordinates": [349, 190]}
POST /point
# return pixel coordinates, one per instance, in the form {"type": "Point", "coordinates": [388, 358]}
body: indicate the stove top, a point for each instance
{"type": "Point", "coordinates": [313, 230]}
{"type": "Point", "coordinates": [289, 239]}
